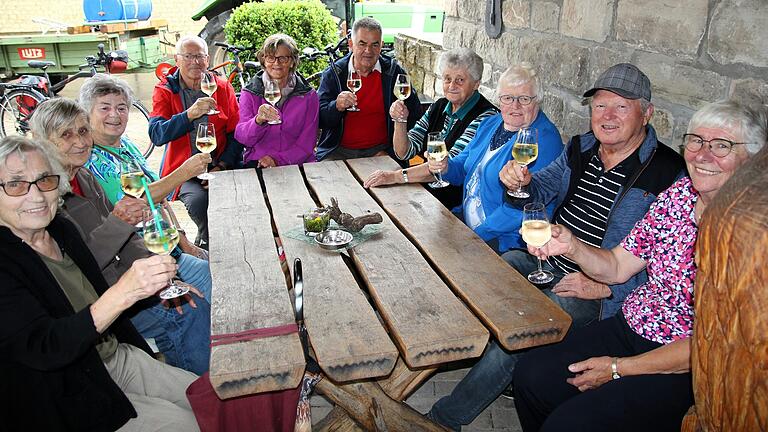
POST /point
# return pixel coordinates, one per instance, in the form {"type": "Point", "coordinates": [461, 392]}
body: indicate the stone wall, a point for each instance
{"type": "Point", "coordinates": [693, 51]}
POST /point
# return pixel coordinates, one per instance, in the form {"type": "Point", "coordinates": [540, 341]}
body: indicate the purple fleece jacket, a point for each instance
{"type": "Point", "coordinates": [289, 143]}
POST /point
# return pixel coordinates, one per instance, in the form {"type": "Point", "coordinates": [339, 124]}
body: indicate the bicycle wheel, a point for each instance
{"type": "Point", "coordinates": [138, 128]}
{"type": "Point", "coordinates": [16, 106]}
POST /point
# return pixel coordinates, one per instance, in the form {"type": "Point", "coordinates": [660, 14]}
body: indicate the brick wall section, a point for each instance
{"type": "Point", "coordinates": [694, 51]}
{"type": "Point", "coordinates": [17, 15]}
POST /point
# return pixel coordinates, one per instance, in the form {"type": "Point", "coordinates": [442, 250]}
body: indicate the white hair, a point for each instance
{"type": "Point", "coordinates": [520, 74]}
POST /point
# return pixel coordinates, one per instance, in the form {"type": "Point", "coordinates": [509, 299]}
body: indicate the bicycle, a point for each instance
{"type": "Point", "coordinates": [18, 100]}
{"type": "Point", "coordinates": [241, 72]}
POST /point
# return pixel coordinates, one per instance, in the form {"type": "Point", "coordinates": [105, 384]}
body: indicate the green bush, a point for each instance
{"type": "Point", "coordinates": [306, 21]}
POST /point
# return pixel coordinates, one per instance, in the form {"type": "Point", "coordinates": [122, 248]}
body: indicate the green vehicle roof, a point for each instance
{"type": "Point", "coordinates": [200, 11]}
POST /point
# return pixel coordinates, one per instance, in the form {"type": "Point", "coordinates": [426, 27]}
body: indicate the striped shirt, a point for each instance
{"type": "Point", "coordinates": [586, 210]}
{"type": "Point", "coordinates": [419, 131]}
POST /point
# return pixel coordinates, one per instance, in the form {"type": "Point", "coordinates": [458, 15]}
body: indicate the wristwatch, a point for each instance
{"type": "Point", "coordinates": [405, 176]}
{"type": "Point", "coordinates": [615, 368]}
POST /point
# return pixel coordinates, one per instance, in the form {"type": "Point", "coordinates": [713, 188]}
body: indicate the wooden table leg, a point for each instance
{"type": "Point", "coordinates": [356, 403]}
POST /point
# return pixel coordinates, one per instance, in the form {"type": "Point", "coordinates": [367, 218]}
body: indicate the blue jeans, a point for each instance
{"type": "Point", "coordinates": [196, 272]}
{"type": "Point", "coordinates": [495, 369]}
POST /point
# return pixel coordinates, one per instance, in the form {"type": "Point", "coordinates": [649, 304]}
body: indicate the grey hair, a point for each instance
{"type": "Point", "coordinates": [367, 23]}
{"type": "Point", "coordinates": [744, 119]}
{"type": "Point", "coordinates": [462, 58]}
{"type": "Point", "coordinates": [186, 38]}
{"type": "Point", "coordinates": [520, 74]}
{"type": "Point", "coordinates": [21, 146]}
{"type": "Point", "coordinates": [53, 115]}
{"type": "Point", "coordinates": [275, 41]}
{"type": "Point", "coordinates": [101, 85]}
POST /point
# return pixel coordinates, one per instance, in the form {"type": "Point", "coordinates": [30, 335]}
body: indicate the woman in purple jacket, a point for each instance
{"type": "Point", "coordinates": [292, 140]}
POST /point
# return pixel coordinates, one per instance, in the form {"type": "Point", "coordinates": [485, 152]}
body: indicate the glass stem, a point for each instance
{"type": "Point", "coordinates": [438, 176]}
{"type": "Point", "coordinates": [538, 261]}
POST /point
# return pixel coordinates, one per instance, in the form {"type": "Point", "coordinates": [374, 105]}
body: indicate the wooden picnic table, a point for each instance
{"type": "Point", "coordinates": [423, 291]}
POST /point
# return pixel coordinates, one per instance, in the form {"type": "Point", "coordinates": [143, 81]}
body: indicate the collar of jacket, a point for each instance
{"type": "Point", "coordinates": [256, 86]}
{"type": "Point", "coordinates": [388, 65]}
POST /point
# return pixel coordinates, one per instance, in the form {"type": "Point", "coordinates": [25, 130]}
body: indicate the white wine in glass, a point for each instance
{"type": "Point", "coordinates": [536, 232]}
{"type": "Point", "coordinates": [524, 152]}
{"type": "Point", "coordinates": [437, 151]}
{"type": "Point", "coordinates": [131, 178]}
{"type": "Point", "coordinates": [354, 84]}
{"type": "Point", "coordinates": [402, 91]}
{"type": "Point", "coordinates": [205, 141]}
{"type": "Point", "coordinates": [160, 236]}
{"type": "Point", "coordinates": [208, 86]}
{"type": "Point", "coordinates": [272, 94]}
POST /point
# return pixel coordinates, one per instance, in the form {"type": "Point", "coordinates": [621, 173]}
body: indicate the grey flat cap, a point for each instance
{"type": "Point", "coordinates": [624, 79]}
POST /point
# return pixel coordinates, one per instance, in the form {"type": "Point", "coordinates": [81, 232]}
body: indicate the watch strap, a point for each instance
{"type": "Point", "coordinates": [405, 175]}
{"type": "Point", "coordinates": [615, 368]}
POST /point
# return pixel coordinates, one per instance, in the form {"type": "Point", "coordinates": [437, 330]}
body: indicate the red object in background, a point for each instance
{"type": "Point", "coordinates": [117, 66]}
{"type": "Point", "coordinates": [162, 70]}
{"type": "Point", "coordinates": [31, 53]}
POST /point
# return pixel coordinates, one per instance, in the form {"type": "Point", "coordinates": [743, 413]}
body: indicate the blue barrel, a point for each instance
{"type": "Point", "coordinates": [114, 10]}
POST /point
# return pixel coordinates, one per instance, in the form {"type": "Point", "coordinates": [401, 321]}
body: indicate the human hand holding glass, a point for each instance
{"type": "Point", "coordinates": [161, 236]}
{"type": "Point", "coordinates": [437, 151]}
{"type": "Point", "coordinates": [205, 141]}
{"type": "Point", "coordinates": [536, 232]}
{"type": "Point", "coordinates": [208, 86]}
{"type": "Point", "coordinates": [524, 152]}
{"type": "Point", "coordinates": [272, 94]}
{"type": "Point", "coordinates": [402, 91]}
{"type": "Point", "coordinates": [354, 83]}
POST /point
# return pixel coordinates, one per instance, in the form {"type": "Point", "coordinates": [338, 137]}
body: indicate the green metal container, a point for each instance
{"type": "Point", "coordinates": [397, 18]}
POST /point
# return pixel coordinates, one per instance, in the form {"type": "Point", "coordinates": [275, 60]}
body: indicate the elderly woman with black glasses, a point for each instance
{"type": "Point", "coordinates": [632, 371]}
{"type": "Point", "coordinates": [281, 132]}
{"type": "Point", "coordinates": [476, 168]}
{"type": "Point", "coordinates": [71, 360]}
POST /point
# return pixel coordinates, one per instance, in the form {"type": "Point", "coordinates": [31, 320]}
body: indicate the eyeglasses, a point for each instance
{"type": "Point", "coordinates": [197, 58]}
{"type": "Point", "coordinates": [458, 81]}
{"type": "Point", "coordinates": [17, 188]}
{"type": "Point", "coordinates": [719, 147]}
{"type": "Point", "coordinates": [509, 99]}
{"type": "Point", "coordinates": [279, 59]}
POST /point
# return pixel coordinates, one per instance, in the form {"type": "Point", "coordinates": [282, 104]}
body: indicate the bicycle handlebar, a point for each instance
{"type": "Point", "coordinates": [232, 48]}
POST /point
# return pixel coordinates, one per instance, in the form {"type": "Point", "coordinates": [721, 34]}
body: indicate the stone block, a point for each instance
{"type": "Point", "coordinates": [424, 55]}
{"type": "Point", "coordinates": [401, 46]}
{"type": "Point", "coordinates": [560, 63]}
{"type": "Point", "coordinates": [575, 123]}
{"type": "Point", "coordinates": [661, 25]}
{"type": "Point", "coordinates": [487, 73]}
{"type": "Point", "coordinates": [515, 14]}
{"type": "Point", "coordinates": [451, 7]}
{"type": "Point", "coordinates": [738, 32]}
{"type": "Point", "coordinates": [483, 421]}
{"type": "Point", "coordinates": [489, 93]}
{"type": "Point", "coordinates": [682, 84]}
{"type": "Point", "coordinates": [411, 51]}
{"type": "Point", "coordinates": [504, 417]}
{"type": "Point", "coordinates": [545, 16]}
{"type": "Point", "coordinates": [553, 107]}
{"type": "Point", "coordinates": [749, 89]}
{"type": "Point", "coordinates": [471, 10]}
{"type": "Point", "coordinates": [438, 88]}
{"type": "Point", "coordinates": [425, 390]}
{"type": "Point", "coordinates": [429, 85]}
{"type": "Point", "coordinates": [601, 58]}
{"type": "Point", "coordinates": [587, 19]}
{"type": "Point", "coordinates": [435, 59]}
{"type": "Point", "coordinates": [417, 79]}
{"type": "Point", "coordinates": [664, 123]}
{"type": "Point", "coordinates": [458, 34]}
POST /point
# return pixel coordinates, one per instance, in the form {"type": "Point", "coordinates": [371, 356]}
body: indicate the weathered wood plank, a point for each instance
{"type": "Point", "coordinates": [249, 291]}
{"type": "Point", "coordinates": [429, 324]}
{"type": "Point", "coordinates": [348, 339]}
{"type": "Point", "coordinates": [517, 313]}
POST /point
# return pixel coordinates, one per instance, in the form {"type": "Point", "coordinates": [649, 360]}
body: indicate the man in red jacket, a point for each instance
{"type": "Point", "coordinates": [178, 107]}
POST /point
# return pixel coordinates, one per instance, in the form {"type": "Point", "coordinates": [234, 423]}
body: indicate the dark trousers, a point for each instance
{"type": "Point", "coordinates": [546, 402]}
{"type": "Point", "coordinates": [195, 199]}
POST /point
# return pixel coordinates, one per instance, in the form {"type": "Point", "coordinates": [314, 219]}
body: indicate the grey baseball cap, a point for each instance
{"type": "Point", "coordinates": [624, 79]}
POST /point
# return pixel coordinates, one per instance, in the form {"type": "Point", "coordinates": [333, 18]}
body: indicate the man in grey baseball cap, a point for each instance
{"type": "Point", "coordinates": [603, 182]}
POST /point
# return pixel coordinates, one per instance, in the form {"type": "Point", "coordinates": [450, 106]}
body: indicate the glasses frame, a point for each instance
{"type": "Point", "coordinates": [36, 183]}
{"type": "Point", "coordinates": [519, 99]}
{"type": "Point", "coordinates": [279, 59]}
{"type": "Point", "coordinates": [197, 58]}
{"type": "Point", "coordinates": [687, 144]}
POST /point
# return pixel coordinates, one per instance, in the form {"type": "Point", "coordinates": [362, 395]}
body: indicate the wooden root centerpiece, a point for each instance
{"type": "Point", "coordinates": [349, 222]}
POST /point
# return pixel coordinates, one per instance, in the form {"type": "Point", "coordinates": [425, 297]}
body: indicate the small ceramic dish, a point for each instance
{"type": "Point", "coordinates": [333, 239]}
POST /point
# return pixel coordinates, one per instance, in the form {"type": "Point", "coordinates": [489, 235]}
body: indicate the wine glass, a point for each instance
{"type": "Point", "coordinates": [524, 151]}
{"type": "Point", "coordinates": [537, 232]}
{"type": "Point", "coordinates": [272, 95]}
{"type": "Point", "coordinates": [437, 151]}
{"type": "Point", "coordinates": [206, 143]}
{"type": "Point", "coordinates": [402, 91]}
{"type": "Point", "coordinates": [208, 86]}
{"type": "Point", "coordinates": [161, 236]}
{"type": "Point", "coordinates": [354, 83]}
{"type": "Point", "coordinates": [131, 178]}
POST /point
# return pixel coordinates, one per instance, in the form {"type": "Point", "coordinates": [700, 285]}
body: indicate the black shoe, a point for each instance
{"type": "Point", "coordinates": [509, 392]}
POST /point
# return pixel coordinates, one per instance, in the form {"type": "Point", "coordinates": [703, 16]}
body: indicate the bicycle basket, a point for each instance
{"type": "Point", "coordinates": [27, 105]}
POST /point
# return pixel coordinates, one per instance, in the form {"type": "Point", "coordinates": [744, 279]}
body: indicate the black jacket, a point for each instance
{"type": "Point", "coordinates": [53, 378]}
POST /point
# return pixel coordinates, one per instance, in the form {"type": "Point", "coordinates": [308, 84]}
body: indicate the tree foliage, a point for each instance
{"type": "Point", "coordinates": [306, 21]}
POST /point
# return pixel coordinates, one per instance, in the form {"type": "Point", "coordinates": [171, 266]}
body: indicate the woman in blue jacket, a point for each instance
{"type": "Point", "coordinates": [477, 167]}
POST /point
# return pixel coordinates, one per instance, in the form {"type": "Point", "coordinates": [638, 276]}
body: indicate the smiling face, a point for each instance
{"type": "Point", "coordinates": [618, 122]}
{"type": "Point", "coordinates": [277, 70]}
{"type": "Point", "coordinates": [708, 172]}
{"type": "Point", "coordinates": [366, 47]}
{"type": "Point", "coordinates": [29, 213]}
{"type": "Point", "coordinates": [191, 69]}
{"type": "Point", "coordinates": [458, 86]}
{"type": "Point", "coordinates": [74, 143]}
{"type": "Point", "coordinates": [516, 115]}
{"type": "Point", "coordinates": [109, 118]}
